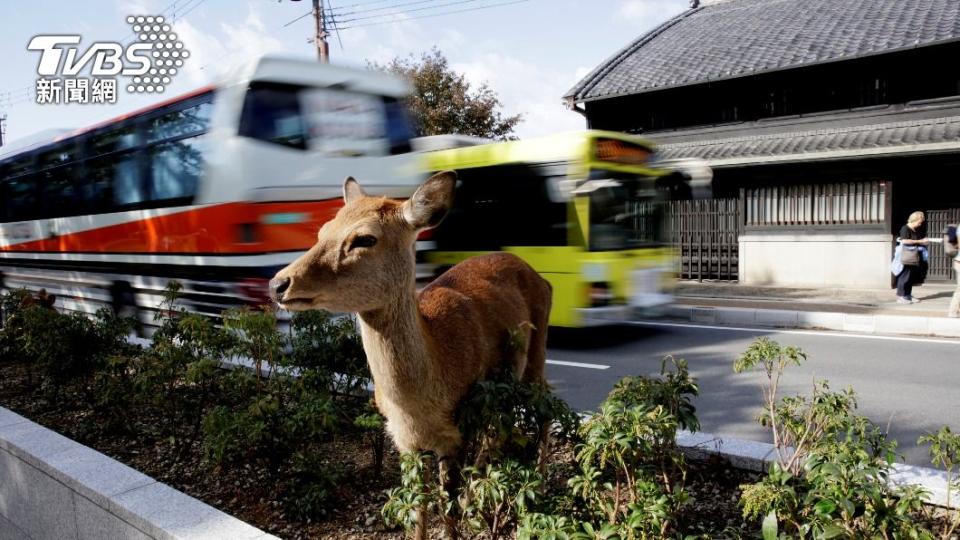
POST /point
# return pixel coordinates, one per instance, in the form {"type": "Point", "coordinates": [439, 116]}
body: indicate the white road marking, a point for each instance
{"type": "Point", "coordinates": [799, 332]}
{"type": "Point", "coordinates": [577, 364]}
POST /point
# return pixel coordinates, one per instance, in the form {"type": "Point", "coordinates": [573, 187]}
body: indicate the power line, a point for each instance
{"type": "Point", "coordinates": [384, 8]}
{"type": "Point", "coordinates": [429, 15]}
{"type": "Point", "coordinates": [307, 14]}
{"type": "Point", "coordinates": [365, 3]}
{"type": "Point", "coordinates": [405, 11]}
{"type": "Point", "coordinates": [336, 27]}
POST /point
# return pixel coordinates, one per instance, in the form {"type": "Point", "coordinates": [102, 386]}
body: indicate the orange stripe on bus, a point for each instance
{"type": "Point", "coordinates": [215, 229]}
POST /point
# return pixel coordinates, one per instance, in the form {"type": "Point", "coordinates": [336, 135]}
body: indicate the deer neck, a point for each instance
{"type": "Point", "coordinates": [397, 345]}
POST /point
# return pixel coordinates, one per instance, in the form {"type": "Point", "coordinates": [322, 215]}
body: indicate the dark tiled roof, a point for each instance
{"type": "Point", "coordinates": [740, 37]}
{"type": "Point", "coordinates": [916, 136]}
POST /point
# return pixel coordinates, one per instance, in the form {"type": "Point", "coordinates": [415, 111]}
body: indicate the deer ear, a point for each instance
{"type": "Point", "coordinates": [433, 199]}
{"type": "Point", "coordinates": [352, 190]}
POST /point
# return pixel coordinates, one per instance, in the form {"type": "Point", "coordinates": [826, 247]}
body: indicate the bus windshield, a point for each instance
{"type": "Point", "coordinates": [336, 123]}
{"type": "Point", "coordinates": [626, 212]}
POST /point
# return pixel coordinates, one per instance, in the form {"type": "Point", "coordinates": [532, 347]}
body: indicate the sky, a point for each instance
{"type": "Point", "coordinates": [530, 52]}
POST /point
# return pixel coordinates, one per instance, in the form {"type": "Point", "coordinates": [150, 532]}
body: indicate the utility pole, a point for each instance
{"type": "Point", "coordinates": [320, 39]}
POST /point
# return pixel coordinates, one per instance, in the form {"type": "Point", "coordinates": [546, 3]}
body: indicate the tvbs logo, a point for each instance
{"type": "Point", "coordinates": [149, 62]}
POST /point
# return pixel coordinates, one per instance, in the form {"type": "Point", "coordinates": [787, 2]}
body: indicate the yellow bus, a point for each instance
{"type": "Point", "coordinates": [584, 209]}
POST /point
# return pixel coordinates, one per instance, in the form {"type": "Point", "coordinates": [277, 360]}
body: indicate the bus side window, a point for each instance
{"type": "Point", "coordinates": [113, 178]}
{"type": "Point", "coordinates": [271, 113]}
{"type": "Point", "coordinates": [175, 151]}
{"type": "Point", "coordinates": [190, 121]}
{"type": "Point", "coordinates": [399, 126]}
{"type": "Point", "coordinates": [21, 190]}
{"type": "Point", "coordinates": [175, 169]}
{"type": "Point", "coordinates": [58, 181]}
{"type": "Point", "coordinates": [4, 197]}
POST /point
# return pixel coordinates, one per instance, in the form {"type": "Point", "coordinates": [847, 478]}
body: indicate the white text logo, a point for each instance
{"type": "Point", "coordinates": [149, 63]}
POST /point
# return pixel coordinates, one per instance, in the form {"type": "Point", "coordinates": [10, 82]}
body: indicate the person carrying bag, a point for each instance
{"type": "Point", "coordinates": [912, 240]}
{"type": "Point", "coordinates": [951, 247]}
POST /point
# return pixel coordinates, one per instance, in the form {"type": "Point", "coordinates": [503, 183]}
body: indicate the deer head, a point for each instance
{"type": "Point", "coordinates": [365, 255]}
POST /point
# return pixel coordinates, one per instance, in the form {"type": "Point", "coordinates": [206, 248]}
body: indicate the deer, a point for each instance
{"type": "Point", "coordinates": [425, 349]}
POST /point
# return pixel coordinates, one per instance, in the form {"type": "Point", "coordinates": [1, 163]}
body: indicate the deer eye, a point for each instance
{"type": "Point", "coordinates": [363, 241]}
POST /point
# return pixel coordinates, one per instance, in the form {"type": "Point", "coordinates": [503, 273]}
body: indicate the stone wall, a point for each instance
{"type": "Point", "coordinates": [54, 488]}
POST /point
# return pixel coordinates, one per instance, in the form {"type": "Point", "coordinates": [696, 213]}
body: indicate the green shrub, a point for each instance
{"type": "Point", "coordinates": [178, 374]}
{"type": "Point", "coordinates": [329, 347]}
{"type": "Point", "coordinates": [502, 420]}
{"type": "Point", "coordinates": [416, 492]}
{"type": "Point", "coordinates": [945, 453]}
{"type": "Point", "coordinates": [60, 351]}
{"type": "Point", "coordinates": [673, 391]}
{"type": "Point", "coordinates": [503, 417]}
{"type": "Point", "coordinates": [834, 483]}
{"type": "Point", "coordinates": [373, 426]}
{"type": "Point", "coordinates": [500, 495]}
{"type": "Point", "coordinates": [313, 487]}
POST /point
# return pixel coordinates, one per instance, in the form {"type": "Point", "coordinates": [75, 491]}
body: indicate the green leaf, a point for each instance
{"type": "Point", "coordinates": [825, 507]}
{"type": "Point", "coordinates": [831, 531]}
{"type": "Point", "coordinates": [769, 527]}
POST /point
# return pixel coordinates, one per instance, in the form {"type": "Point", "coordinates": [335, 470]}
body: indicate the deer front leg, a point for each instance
{"type": "Point", "coordinates": [450, 480]}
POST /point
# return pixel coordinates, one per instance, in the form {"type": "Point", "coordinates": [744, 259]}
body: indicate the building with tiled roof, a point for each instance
{"type": "Point", "coordinates": [792, 102]}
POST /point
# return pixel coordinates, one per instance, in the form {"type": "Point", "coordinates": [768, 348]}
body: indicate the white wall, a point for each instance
{"type": "Point", "coordinates": [859, 260]}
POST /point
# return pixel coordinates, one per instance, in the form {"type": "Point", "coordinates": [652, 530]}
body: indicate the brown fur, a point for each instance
{"type": "Point", "coordinates": [425, 350]}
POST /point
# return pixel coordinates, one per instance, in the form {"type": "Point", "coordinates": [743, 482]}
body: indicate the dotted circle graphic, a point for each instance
{"type": "Point", "coordinates": [166, 51]}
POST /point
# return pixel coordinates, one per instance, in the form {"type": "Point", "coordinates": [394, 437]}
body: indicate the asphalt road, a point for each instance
{"type": "Point", "coordinates": [911, 385]}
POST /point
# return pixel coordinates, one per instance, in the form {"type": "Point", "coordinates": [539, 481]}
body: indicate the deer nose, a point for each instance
{"type": "Point", "coordinates": [278, 286]}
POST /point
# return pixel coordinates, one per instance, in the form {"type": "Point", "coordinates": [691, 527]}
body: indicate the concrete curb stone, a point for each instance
{"type": "Point", "coordinates": [52, 487]}
{"type": "Point", "coordinates": [816, 320]}
{"type": "Point", "coordinates": [757, 456]}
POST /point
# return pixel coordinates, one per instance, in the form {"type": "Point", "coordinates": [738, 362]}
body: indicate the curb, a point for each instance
{"type": "Point", "coordinates": [757, 456]}
{"type": "Point", "coordinates": [817, 320]}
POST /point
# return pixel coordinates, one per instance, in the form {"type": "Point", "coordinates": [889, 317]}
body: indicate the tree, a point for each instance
{"type": "Point", "coordinates": [443, 101]}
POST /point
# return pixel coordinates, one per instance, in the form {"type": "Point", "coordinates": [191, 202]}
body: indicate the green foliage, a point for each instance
{"type": "Point", "coordinates": [772, 359]}
{"type": "Point", "coordinates": [329, 349]}
{"type": "Point", "coordinates": [673, 392]}
{"type": "Point", "coordinates": [285, 408]}
{"type": "Point", "coordinates": [631, 475]}
{"type": "Point", "coordinates": [313, 486]}
{"type": "Point", "coordinates": [417, 491]}
{"type": "Point", "coordinates": [502, 416]}
{"type": "Point", "coordinates": [945, 453]}
{"type": "Point", "coordinates": [831, 477]}
{"type": "Point", "coordinates": [257, 338]}
{"type": "Point", "coordinates": [373, 426]}
{"type": "Point", "coordinates": [60, 350]}
{"type": "Point", "coordinates": [444, 102]}
{"type": "Point", "coordinates": [177, 374]}
{"type": "Point", "coordinates": [503, 422]}
{"type": "Point", "coordinates": [500, 495]}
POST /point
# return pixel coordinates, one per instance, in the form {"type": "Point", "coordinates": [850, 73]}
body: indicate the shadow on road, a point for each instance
{"type": "Point", "coordinates": [596, 338]}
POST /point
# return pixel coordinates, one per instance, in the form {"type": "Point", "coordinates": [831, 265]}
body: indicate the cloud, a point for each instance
{"type": "Point", "coordinates": [645, 14]}
{"type": "Point", "coordinates": [214, 53]}
{"type": "Point", "coordinates": [526, 88]}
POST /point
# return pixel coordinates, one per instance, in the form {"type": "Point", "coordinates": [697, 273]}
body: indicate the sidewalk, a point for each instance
{"type": "Point", "coordinates": [851, 310]}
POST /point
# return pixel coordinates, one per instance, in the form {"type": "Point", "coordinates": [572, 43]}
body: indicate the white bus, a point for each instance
{"type": "Point", "coordinates": [217, 188]}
